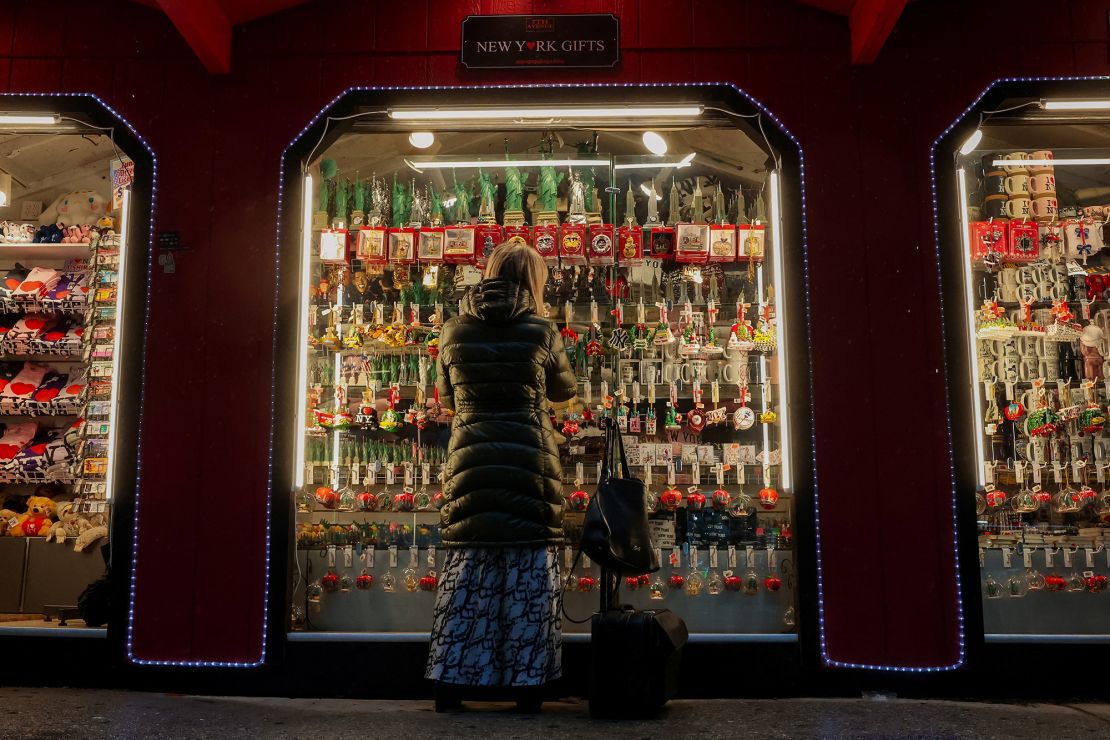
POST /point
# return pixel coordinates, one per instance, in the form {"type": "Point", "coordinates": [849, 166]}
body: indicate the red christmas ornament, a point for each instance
{"type": "Point", "coordinates": [438, 499]}
{"type": "Point", "coordinates": [721, 499]}
{"type": "Point", "coordinates": [677, 581]}
{"type": "Point", "coordinates": [995, 499]}
{"type": "Point", "coordinates": [632, 582]}
{"type": "Point", "coordinates": [1042, 497]}
{"type": "Point", "coordinates": [428, 582]}
{"type": "Point", "coordinates": [1054, 582]}
{"type": "Point", "coordinates": [670, 499]}
{"type": "Point", "coordinates": [768, 497]}
{"type": "Point", "coordinates": [403, 501]}
{"type": "Point", "coordinates": [330, 582]}
{"type": "Point", "coordinates": [327, 497]}
{"type": "Point", "coordinates": [586, 583]}
{"type": "Point", "coordinates": [733, 583]}
{"type": "Point", "coordinates": [695, 500]}
{"type": "Point", "coordinates": [1013, 411]}
{"type": "Point", "coordinates": [364, 581]}
{"type": "Point", "coordinates": [366, 501]}
{"type": "Point", "coordinates": [570, 428]}
{"type": "Point", "coordinates": [579, 500]}
{"type": "Point", "coordinates": [772, 583]}
{"type": "Point", "coordinates": [1095, 583]}
{"type": "Point", "coordinates": [643, 579]}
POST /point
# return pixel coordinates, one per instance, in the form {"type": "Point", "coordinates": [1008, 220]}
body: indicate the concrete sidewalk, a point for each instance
{"type": "Point", "coordinates": [73, 713]}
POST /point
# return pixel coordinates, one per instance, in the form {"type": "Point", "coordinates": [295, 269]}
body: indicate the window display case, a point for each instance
{"type": "Point", "coordinates": [669, 218]}
{"type": "Point", "coordinates": [72, 202]}
{"type": "Point", "coordinates": [1023, 185]}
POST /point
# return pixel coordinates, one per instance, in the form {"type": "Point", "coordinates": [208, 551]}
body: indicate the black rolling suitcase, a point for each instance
{"type": "Point", "coordinates": [636, 656]}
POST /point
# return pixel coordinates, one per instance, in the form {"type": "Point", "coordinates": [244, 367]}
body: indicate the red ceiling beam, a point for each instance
{"type": "Point", "coordinates": [205, 27]}
{"type": "Point", "coordinates": [871, 22]}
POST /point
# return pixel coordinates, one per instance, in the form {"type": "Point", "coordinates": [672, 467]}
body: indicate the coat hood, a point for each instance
{"type": "Point", "coordinates": [497, 301]}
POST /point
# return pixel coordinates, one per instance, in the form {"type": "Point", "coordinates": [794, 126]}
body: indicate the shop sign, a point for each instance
{"type": "Point", "coordinates": [517, 41]}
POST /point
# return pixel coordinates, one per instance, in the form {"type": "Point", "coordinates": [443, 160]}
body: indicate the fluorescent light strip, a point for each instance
{"type": "Point", "coordinates": [302, 335]}
{"type": "Point", "coordinates": [121, 290]}
{"type": "Point", "coordinates": [28, 120]}
{"type": "Point", "coordinates": [1015, 163]}
{"type": "Point", "coordinates": [969, 300]}
{"type": "Point", "coordinates": [496, 164]}
{"type": "Point", "coordinates": [780, 331]}
{"type": "Point", "coordinates": [971, 142]}
{"type": "Point", "coordinates": [471, 114]}
{"type": "Point", "coordinates": [1076, 104]}
{"type": "Point", "coordinates": [684, 162]}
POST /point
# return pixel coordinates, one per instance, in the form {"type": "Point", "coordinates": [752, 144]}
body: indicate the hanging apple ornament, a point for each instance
{"type": "Point", "coordinates": [632, 583]}
{"type": "Point", "coordinates": [695, 499]}
{"type": "Point", "coordinates": [772, 582]}
{"type": "Point", "coordinates": [670, 499]}
{"type": "Point", "coordinates": [586, 583]}
{"type": "Point", "coordinates": [677, 581]}
{"type": "Point", "coordinates": [327, 497]}
{"type": "Point", "coordinates": [1092, 419]}
{"type": "Point", "coordinates": [404, 501]}
{"type": "Point", "coordinates": [330, 582]}
{"type": "Point", "coordinates": [578, 500]}
{"type": "Point", "coordinates": [1013, 411]}
{"type": "Point", "coordinates": [994, 498]}
{"type": "Point", "coordinates": [366, 501]}
{"type": "Point", "coordinates": [768, 497]}
{"type": "Point", "coordinates": [721, 499]}
{"type": "Point", "coordinates": [429, 582]}
{"type": "Point", "coordinates": [439, 499]}
{"type": "Point", "coordinates": [364, 581]}
{"type": "Point", "coordinates": [733, 582]}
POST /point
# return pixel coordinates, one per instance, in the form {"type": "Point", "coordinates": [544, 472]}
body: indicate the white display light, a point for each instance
{"type": "Point", "coordinates": [971, 142]}
{"type": "Point", "coordinates": [422, 139]}
{"type": "Point", "coordinates": [655, 143]}
{"type": "Point", "coordinates": [647, 191]}
{"type": "Point", "coordinates": [1075, 104]}
{"type": "Point", "coordinates": [302, 335]}
{"type": "Point", "coordinates": [501, 114]}
{"type": "Point", "coordinates": [117, 332]}
{"type": "Point", "coordinates": [496, 164]}
{"type": "Point", "coordinates": [684, 162]}
{"type": "Point", "coordinates": [18, 119]}
{"type": "Point", "coordinates": [969, 307]}
{"type": "Point", "coordinates": [1050, 162]}
{"type": "Point", "coordinates": [780, 332]}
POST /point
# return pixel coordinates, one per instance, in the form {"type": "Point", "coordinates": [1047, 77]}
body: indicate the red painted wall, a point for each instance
{"type": "Point", "coordinates": [866, 132]}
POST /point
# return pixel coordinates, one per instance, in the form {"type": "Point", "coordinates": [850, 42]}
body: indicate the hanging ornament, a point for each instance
{"type": "Point", "coordinates": [677, 581]}
{"type": "Point", "coordinates": [330, 582]}
{"type": "Point", "coordinates": [695, 499]}
{"type": "Point", "coordinates": [586, 583]}
{"type": "Point", "coordinates": [1013, 411]}
{"type": "Point", "coordinates": [733, 582]}
{"type": "Point", "coordinates": [1092, 419]}
{"type": "Point", "coordinates": [578, 500]}
{"type": "Point", "coordinates": [768, 497]}
{"type": "Point", "coordinates": [695, 420]}
{"type": "Point", "coordinates": [670, 499]}
{"type": "Point", "coordinates": [656, 589]}
{"type": "Point", "coordinates": [1041, 423]}
{"type": "Point", "coordinates": [694, 583]}
{"type": "Point", "coordinates": [670, 423]}
{"type": "Point", "coordinates": [327, 497]}
{"type": "Point", "coordinates": [772, 583]}
{"type": "Point", "coordinates": [428, 582]}
{"type": "Point", "coordinates": [364, 580]}
{"type": "Point", "coordinates": [994, 498]}
{"type": "Point", "coordinates": [721, 499]}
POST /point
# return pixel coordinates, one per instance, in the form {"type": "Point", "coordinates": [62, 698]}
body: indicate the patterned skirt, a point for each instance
{"type": "Point", "coordinates": [497, 618]}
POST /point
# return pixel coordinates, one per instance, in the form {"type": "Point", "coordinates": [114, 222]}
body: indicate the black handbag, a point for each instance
{"type": "Point", "coordinates": [615, 532]}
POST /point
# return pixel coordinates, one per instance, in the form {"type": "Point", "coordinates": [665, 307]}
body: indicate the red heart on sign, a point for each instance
{"type": "Point", "coordinates": [21, 389]}
{"type": "Point", "coordinates": [531, 45]}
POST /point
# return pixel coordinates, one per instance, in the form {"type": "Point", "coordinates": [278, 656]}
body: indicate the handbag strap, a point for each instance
{"type": "Point", "coordinates": [614, 453]}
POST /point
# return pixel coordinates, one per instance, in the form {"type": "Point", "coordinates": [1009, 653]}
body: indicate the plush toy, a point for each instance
{"type": "Point", "coordinates": [35, 522]}
{"type": "Point", "coordinates": [76, 208]}
{"type": "Point", "coordinates": [94, 533]}
{"type": "Point", "coordinates": [69, 524]}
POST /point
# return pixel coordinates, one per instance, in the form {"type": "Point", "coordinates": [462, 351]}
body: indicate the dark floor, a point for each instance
{"type": "Point", "coordinates": [71, 713]}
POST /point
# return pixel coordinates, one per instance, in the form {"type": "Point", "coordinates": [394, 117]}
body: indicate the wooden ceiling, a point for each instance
{"type": "Point", "coordinates": [207, 24]}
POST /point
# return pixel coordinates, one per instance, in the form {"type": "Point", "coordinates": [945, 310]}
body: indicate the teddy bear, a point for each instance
{"type": "Point", "coordinates": [35, 522]}
{"type": "Point", "coordinates": [98, 529]}
{"type": "Point", "coordinates": [71, 525]}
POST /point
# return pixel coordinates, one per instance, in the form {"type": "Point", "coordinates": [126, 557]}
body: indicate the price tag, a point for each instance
{"type": "Point", "coordinates": [1036, 472]}
{"type": "Point", "coordinates": [439, 314]}
{"type": "Point", "coordinates": [670, 474]}
{"type": "Point", "coordinates": [585, 561]}
{"type": "Point", "coordinates": [1027, 557]}
{"type": "Point", "coordinates": [694, 557]}
{"type": "Point", "coordinates": [414, 557]}
{"type": "Point", "coordinates": [651, 394]}
{"type": "Point", "coordinates": [695, 472]}
{"type": "Point", "coordinates": [1085, 309]}
{"type": "Point", "coordinates": [750, 552]}
{"type": "Point", "coordinates": [713, 556]}
{"type": "Point", "coordinates": [348, 556]}
{"type": "Point", "coordinates": [390, 476]}
{"type": "Point", "coordinates": [647, 475]}
{"type": "Point", "coordinates": [408, 474]}
{"type": "Point", "coordinates": [604, 390]}
{"type": "Point", "coordinates": [593, 312]}
{"type": "Point", "coordinates": [425, 473]}
{"type": "Point", "coordinates": [431, 556]}
{"type": "Point", "coordinates": [720, 474]}
{"type": "Point", "coordinates": [641, 313]}
{"type": "Point", "coordinates": [732, 556]}
{"type": "Point", "coordinates": [368, 553]}
{"type": "Point", "coordinates": [1089, 553]}
{"type": "Point", "coordinates": [1057, 472]}
{"type": "Point", "coordinates": [988, 472]}
{"type": "Point", "coordinates": [1006, 557]}
{"type": "Point", "coordinates": [354, 472]}
{"type": "Point", "coordinates": [393, 556]}
{"type": "Point", "coordinates": [676, 557]}
{"type": "Point", "coordinates": [636, 394]}
{"type": "Point", "coordinates": [398, 313]}
{"type": "Point", "coordinates": [771, 559]}
{"type": "Point", "coordinates": [379, 313]}
{"type": "Point", "coordinates": [579, 473]}
{"type": "Point", "coordinates": [659, 554]}
{"type": "Point", "coordinates": [1019, 472]}
{"type": "Point", "coordinates": [1067, 557]}
{"type": "Point", "coordinates": [331, 556]}
{"type": "Point", "coordinates": [371, 476]}
{"type": "Point", "coordinates": [1049, 557]}
{"type": "Point", "coordinates": [741, 475]}
{"type": "Point", "coordinates": [715, 392]}
{"type": "Point", "coordinates": [568, 557]}
{"type": "Point", "coordinates": [588, 393]}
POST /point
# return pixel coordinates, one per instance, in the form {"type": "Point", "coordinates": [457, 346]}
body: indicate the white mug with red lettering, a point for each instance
{"type": "Point", "coordinates": [1043, 183]}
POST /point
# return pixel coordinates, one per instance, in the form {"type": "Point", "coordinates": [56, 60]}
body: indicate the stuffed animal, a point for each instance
{"type": "Point", "coordinates": [35, 522]}
{"type": "Point", "coordinates": [98, 530]}
{"type": "Point", "coordinates": [75, 208]}
{"type": "Point", "coordinates": [71, 525]}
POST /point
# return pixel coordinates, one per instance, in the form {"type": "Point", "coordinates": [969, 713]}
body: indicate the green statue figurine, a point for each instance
{"type": "Point", "coordinates": [462, 202]}
{"type": "Point", "coordinates": [436, 205]}
{"type": "Point", "coordinates": [486, 205]}
{"type": "Point", "coordinates": [358, 201]}
{"type": "Point", "coordinates": [339, 220]}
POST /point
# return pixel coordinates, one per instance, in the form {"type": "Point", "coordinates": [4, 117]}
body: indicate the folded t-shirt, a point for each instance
{"type": "Point", "coordinates": [26, 381]}
{"type": "Point", "coordinates": [37, 282]}
{"type": "Point", "coordinates": [15, 437]}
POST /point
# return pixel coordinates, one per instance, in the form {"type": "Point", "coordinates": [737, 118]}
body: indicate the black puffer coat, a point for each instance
{"type": "Point", "coordinates": [499, 363]}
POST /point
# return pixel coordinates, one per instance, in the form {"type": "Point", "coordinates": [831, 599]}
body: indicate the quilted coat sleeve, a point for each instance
{"type": "Point", "coordinates": [443, 377]}
{"type": "Point", "coordinates": [561, 382]}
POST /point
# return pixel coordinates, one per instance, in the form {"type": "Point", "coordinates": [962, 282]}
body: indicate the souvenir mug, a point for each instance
{"type": "Point", "coordinates": [1030, 346]}
{"type": "Point", "coordinates": [1031, 368]}
{"type": "Point", "coordinates": [1007, 368]}
{"type": "Point", "coordinates": [1017, 185]}
{"type": "Point", "coordinates": [994, 185]}
{"type": "Point", "coordinates": [1039, 168]}
{"type": "Point", "coordinates": [1008, 284]}
{"type": "Point", "coordinates": [1019, 207]}
{"type": "Point", "coordinates": [990, 169]}
{"type": "Point", "coordinates": [1043, 183]}
{"type": "Point", "coordinates": [1015, 162]}
{"type": "Point", "coordinates": [1045, 208]}
{"type": "Point", "coordinates": [994, 206]}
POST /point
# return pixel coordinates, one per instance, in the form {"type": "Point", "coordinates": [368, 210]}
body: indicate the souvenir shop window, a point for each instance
{"type": "Point", "coordinates": [1032, 197]}
{"type": "Point", "coordinates": [663, 240]}
{"type": "Point", "coordinates": [65, 200]}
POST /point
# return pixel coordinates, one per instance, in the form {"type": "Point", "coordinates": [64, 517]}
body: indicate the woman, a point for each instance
{"type": "Point", "coordinates": [497, 620]}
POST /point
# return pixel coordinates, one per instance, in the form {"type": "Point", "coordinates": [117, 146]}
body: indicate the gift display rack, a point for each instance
{"type": "Point", "coordinates": [668, 319]}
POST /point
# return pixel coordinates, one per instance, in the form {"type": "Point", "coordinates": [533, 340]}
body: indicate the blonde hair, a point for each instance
{"type": "Point", "coordinates": [514, 260]}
